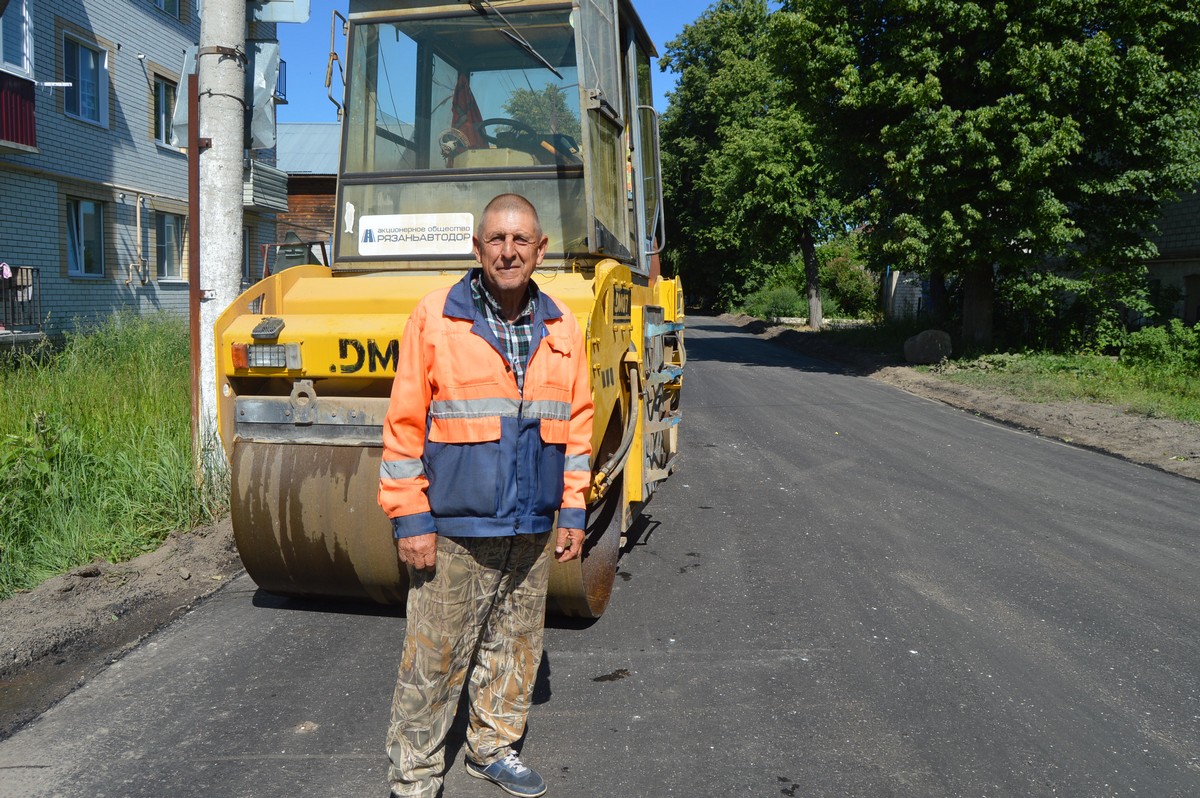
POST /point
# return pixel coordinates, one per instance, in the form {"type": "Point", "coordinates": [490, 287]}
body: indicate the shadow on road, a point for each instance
{"type": "Point", "coordinates": [273, 601]}
{"type": "Point", "coordinates": [758, 345]}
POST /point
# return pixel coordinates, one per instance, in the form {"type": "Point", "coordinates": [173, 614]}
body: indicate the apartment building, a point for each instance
{"type": "Point", "coordinates": [93, 194]}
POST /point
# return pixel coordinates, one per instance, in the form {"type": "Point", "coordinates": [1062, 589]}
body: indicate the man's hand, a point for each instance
{"type": "Point", "coordinates": [419, 551]}
{"type": "Point", "coordinates": [569, 545]}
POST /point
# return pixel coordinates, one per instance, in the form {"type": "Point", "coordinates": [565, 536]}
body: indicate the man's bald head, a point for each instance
{"type": "Point", "coordinates": [511, 203]}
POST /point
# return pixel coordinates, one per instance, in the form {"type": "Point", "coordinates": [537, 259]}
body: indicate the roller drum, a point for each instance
{"type": "Point", "coordinates": [307, 521]}
{"type": "Point", "coordinates": [581, 588]}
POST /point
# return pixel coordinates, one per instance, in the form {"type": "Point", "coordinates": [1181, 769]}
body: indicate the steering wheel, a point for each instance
{"type": "Point", "coordinates": [521, 136]}
{"type": "Point", "coordinates": [518, 131]}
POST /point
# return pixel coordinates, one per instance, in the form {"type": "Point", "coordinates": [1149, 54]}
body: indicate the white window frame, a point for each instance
{"type": "Point", "coordinates": [166, 7]}
{"type": "Point", "coordinates": [77, 90]}
{"type": "Point", "coordinates": [17, 13]}
{"type": "Point", "coordinates": [78, 247]}
{"type": "Point", "coordinates": [170, 230]}
{"type": "Point", "coordinates": [164, 109]}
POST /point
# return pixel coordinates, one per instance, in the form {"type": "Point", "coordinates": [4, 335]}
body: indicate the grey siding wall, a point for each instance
{"type": "Point", "coordinates": [1179, 229]}
{"type": "Point", "coordinates": [117, 163]}
{"type": "Point", "coordinates": [1178, 263]}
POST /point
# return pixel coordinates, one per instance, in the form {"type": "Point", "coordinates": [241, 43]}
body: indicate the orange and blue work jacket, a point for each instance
{"type": "Point", "coordinates": [466, 453]}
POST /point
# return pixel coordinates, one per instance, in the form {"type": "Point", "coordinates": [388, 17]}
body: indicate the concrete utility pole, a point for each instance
{"type": "Point", "coordinates": [222, 68]}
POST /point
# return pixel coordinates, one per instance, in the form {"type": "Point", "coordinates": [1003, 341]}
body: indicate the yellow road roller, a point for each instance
{"type": "Point", "coordinates": [448, 104]}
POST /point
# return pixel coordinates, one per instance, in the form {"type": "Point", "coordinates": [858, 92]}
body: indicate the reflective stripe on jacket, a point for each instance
{"type": "Point", "coordinates": [464, 452]}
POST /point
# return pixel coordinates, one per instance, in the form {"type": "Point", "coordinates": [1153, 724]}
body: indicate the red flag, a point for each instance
{"type": "Point", "coordinates": [465, 114]}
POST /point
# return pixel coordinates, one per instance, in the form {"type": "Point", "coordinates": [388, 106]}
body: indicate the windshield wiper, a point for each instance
{"type": "Point", "coordinates": [516, 38]}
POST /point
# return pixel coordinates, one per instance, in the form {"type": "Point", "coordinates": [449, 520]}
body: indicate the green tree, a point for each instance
{"type": "Point", "coordinates": [845, 278]}
{"type": "Point", "coordinates": [544, 111]}
{"type": "Point", "coordinates": [743, 168]}
{"type": "Point", "coordinates": [1011, 137]}
{"type": "Point", "coordinates": [708, 55]}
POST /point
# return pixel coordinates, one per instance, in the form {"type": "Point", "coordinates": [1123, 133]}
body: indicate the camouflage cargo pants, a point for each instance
{"type": "Point", "coordinates": [480, 613]}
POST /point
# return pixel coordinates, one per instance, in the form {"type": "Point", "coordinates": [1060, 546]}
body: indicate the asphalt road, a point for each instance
{"type": "Point", "coordinates": [845, 591]}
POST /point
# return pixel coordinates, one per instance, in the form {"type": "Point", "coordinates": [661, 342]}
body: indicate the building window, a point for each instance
{"type": "Point", "coordinates": [164, 107]}
{"type": "Point", "coordinates": [281, 84]}
{"type": "Point", "coordinates": [15, 37]}
{"type": "Point", "coordinates": [168, 247]}
{"type": "Point", "coordinates": [85, 238]}
{"type": "Point", "coordinates": [86, 69]}
{"type": "Point", "coordinates": [170, 6]}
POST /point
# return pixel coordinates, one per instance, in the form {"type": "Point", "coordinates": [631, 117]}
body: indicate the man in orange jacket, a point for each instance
{"type": "Point", "coordinates": [487, 439]}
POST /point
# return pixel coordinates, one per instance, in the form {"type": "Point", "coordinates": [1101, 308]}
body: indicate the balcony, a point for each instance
{"type": "Point", "coordinates": [20, 304]}
{"type": "Point", "coordinates": [264, 188]}
{"type": "Point", "coordinates": [18, 133]}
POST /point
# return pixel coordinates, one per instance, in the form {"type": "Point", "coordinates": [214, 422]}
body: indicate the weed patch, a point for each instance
{"type": "Point", "coordinates": [1141, 388]}
{"type": "Point", "coordinates": [95, 450]}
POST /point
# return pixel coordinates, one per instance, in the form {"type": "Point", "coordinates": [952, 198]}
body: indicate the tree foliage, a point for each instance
{"type": "Point", "coordinates": [845, 278]}
{"type": "Point", "coordinates": [545, 111]}
{"type": "Point", "coordinates": [709, 55]}
{"type": "Point", "coordinates": [1013, 138]}
{"type": "Point", "coordinates": [744, 176]}
{"type": "Point", "coordinates": [1022, 146]}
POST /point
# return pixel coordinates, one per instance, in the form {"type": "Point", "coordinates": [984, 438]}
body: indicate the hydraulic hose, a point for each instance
{"type": "Point", "coordinates": [602, 481]}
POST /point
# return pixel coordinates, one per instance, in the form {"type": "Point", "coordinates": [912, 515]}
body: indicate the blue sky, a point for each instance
{"type": "Point", "coordinates": [305, 47]}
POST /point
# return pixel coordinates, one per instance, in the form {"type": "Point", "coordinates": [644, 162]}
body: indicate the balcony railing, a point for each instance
{"type": "Point", "coordinates": [20, 300]}
{"type": "Point", "coordinates": [18, 133]}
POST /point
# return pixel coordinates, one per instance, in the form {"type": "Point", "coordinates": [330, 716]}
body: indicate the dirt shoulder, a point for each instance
{"type": "Point", "coordinates": [57, 636]}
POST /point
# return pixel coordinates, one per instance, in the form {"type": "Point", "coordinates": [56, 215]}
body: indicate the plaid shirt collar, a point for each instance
{"type": "Point", "coordinates": [515, 337]}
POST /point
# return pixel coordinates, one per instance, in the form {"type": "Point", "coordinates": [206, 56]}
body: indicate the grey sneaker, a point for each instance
{"type": "Point", "coordinates": [512, 777]}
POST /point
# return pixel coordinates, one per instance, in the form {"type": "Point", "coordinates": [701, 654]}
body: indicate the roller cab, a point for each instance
{"type": "Point", "coordinates": [447, 105]}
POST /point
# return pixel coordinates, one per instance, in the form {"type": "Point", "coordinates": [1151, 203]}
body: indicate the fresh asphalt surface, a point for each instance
{"type": "Point", "coordinates": [844, 591]}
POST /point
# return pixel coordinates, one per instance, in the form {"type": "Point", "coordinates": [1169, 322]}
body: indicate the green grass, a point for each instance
{"type": "Point", "coordinates": [1143, 390]}
{"type": "Point", "coordinates": [95, 450]}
